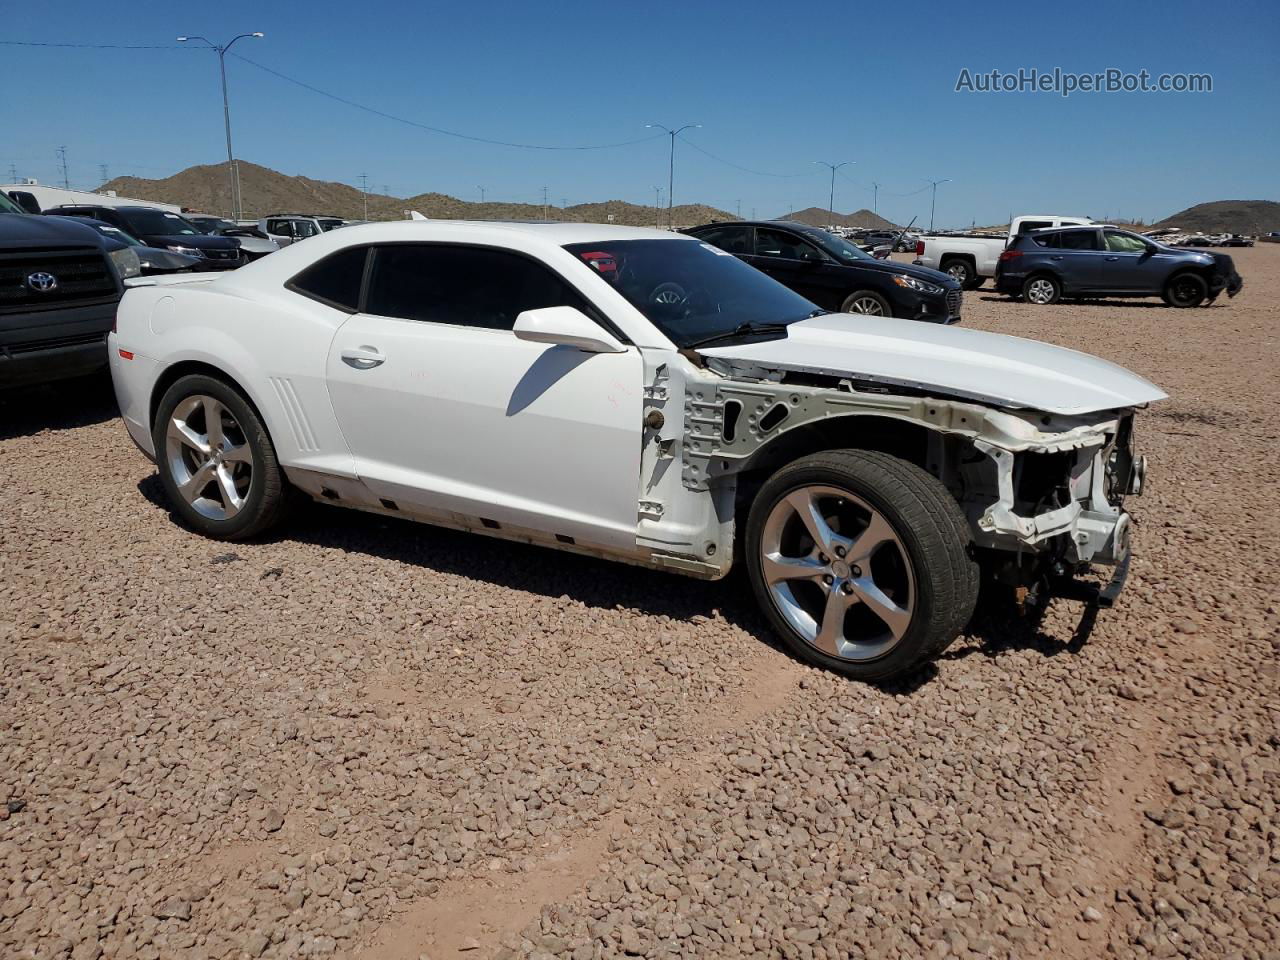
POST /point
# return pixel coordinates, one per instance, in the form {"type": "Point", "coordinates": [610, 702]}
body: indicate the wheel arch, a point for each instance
{"type": "Point", "coordinates": [182, 368]}
{"type": "Point", "coordinates": [896, 436]}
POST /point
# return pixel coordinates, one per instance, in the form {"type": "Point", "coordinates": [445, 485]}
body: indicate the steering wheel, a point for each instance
{"type": "Point", "coordinates": [668, 294]}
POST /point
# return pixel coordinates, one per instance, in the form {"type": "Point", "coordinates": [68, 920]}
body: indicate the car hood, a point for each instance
{"type": "Point", "coordinates": [33, 230]}
{"type": "Point", "coordinates": [255, 244]}
{"type": "Point", "coordinates": [971, 364]}
{"type": "Point", "coordinates": [911, 270]}
{"type": "Point", "coordinates": [198, 241]}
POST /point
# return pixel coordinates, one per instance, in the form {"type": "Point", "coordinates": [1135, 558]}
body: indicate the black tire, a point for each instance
{"type": "Point", "coordinates": [929, 525]}
{"type": "Point", "coordinates": [1053, 291]}
{"type": "Point", "coordinates": [1186, 290]}
{"type": "Point", "coordinates": [267, 491]}
{"type": "Point", "coordinates": [963, 272]}
{"type": "Point", "coordinates": [858, 301]}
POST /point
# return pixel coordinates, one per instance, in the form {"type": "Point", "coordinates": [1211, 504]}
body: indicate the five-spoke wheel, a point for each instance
{"type": "Point", "coordinates": [861, 561]}
{"type": "Point", "coordinates": [217, 464]}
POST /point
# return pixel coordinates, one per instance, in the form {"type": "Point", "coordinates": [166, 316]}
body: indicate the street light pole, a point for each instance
{"type": "Point", "coordinates": [831, 203]}
{"type": "Point", "coordinates": [934, 201]}
{"type": "Point", "coordinates": [671, 168]}
{"type": "Point", "coordinates": [233, 175]}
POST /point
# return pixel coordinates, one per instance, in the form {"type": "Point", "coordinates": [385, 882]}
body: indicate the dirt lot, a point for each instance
{"type": "Point", "coordinates": [371, 739]}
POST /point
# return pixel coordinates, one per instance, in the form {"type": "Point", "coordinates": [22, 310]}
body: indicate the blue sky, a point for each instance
{"type": "Point", "coordinates": [775, 86]}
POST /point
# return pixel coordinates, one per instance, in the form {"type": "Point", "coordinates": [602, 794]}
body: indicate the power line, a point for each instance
{"type": "Point", "coordinates": [440, 130]}
{"type": "Point", "coordinates": [736, 166]}
{"type": "Point", "coordinates": [90, 46]}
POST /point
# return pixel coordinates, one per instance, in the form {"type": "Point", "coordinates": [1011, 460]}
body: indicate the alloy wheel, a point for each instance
{"type": "Point", "coordinates": [209, 457]}
{"type": "Point", "coordinates": [868, 305]}
{"type": "Point", "coordinates": [838, 573]}
{"type": "Point", "coordinates": [958, 272]}
{"type": "Point", "coordinates": [1040, 291]}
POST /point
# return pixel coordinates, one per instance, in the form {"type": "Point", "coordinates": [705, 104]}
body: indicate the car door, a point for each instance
{"type": "Point", "coordinates": [1132, 264]}
{"type": "Point", "coordinates": [447, 411]}
{"type": "Point", "coordinates": [731, 238]}
{"type": "Point", "coordinates": [1077, 258]}
{"type": "Point", "coordinates": [280, 231]}
{"type": "Point", "coordinates": [796, 263]}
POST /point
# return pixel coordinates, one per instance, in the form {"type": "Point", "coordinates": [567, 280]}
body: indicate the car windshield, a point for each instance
{"type": "Point", "coordinates": [7, 205]}
{"type": "Point", "coordinates": [210, 224]}
{"type": "Point", "coordinates": [691, 291]}
{"type": "Point", "coordinates": [328, 225]}
{"type": "Point", "coordinates": [160, 223]}
{"type": "Point", "coordinates": [115, 234]}
{"type": "Point", "coordinates": [837, 246]}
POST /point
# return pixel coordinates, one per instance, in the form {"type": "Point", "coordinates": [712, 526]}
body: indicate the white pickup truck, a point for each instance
{"type": "Point", "coordinates": [971, 259]}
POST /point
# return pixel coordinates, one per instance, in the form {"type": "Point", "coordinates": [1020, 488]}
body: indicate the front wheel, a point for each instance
{"type": "Point", "coordinates": [1186, 290]}
{"type": "Point", "coordinates": [860, 561]}
{"type": "Point", "coordinates": [216, 462]}
{"type": "Point", "coordinates": [867, 302]}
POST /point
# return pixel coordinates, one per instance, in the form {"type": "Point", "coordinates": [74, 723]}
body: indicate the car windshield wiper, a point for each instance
{"type": "Point", "coordinates": [744, 330]}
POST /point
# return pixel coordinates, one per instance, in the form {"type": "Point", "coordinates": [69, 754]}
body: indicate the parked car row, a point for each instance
{"type": "Point", "coordinates": [651, 397]}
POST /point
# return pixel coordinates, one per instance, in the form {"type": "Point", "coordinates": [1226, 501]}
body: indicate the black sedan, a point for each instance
{"type": "Point", "coordinates": [161, 228]}
{"type": "Point", "coordinates": [835, 274]}
{"type": "Point", "coordinates": [153, 260]}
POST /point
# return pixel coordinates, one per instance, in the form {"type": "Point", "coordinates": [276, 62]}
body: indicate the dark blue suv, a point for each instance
{"type": "Point", "coordinates": [1043, 266]}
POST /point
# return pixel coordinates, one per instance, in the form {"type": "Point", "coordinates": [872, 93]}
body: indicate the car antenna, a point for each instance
{"type": "Point", "coordinates": [904, 232]}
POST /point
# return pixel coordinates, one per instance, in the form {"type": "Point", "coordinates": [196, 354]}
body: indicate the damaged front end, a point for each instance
{"type": "Point", "coordinates": [1044, 493]}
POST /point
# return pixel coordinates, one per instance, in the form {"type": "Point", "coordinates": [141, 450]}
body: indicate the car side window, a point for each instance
{"type": "Point", "coordinates": [279, 227]}
{"type": "Point", "coordinates": [1078, 240]}
{"type": "Point", "coordinates": [1027, 225]}
{"type": "Point", "coordinates": [729, 239]}
{"type": "Point", "coordinates": [304, 228]}
{"type": "Point", "coordinates": [466, 286]}
{"type": "Point", "coordinates": [787, 246]}
{"type": "Point", "coordinates": [335, 280]}
{"type": "Point", "coordinates": [1046, 239]}
{"type": "Point", "coordinates": [1124, 243]}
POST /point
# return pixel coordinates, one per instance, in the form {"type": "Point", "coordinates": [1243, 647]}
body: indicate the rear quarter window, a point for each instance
{"type": "Point", "coordinates": [336, 280]}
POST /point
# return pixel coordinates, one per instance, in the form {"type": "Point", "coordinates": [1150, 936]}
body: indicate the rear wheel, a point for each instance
{"type": "Point", "coordinates": [860, 561]}
{"type": "Point", "coordinates": [216, 462]}
{"type": "Point", "coordinates": [1186, 290]}
{"type": "Point", "coordinates": [1041, 290]}
{"type": "Point", "coordinates": [868, 302]}
{"type": "Point", "coordinates": [963, 273]}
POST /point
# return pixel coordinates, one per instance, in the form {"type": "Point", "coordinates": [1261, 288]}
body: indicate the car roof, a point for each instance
{"type": "Point", "coordinates": [554, 232]}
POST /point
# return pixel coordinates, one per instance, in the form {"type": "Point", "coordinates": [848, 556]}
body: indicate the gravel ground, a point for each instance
{"type": "Point", "coordinates": [372, 739]}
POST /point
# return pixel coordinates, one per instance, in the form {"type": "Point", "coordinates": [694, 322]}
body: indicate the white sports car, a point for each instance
{"type": "Point", "coordinates": [641, 396]}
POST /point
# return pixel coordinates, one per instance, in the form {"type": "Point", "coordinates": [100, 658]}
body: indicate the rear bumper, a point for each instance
{"type": "Point", "coordinates": [54, 344]}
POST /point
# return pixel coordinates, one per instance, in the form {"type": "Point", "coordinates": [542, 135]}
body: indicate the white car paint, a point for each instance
{"type": "Point", "coordinates": [990, 367]}
{"type": "Point", "coordinates": [501, 432]}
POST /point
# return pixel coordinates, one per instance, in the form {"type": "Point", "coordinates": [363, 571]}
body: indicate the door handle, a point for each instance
{"type": "Point", "coordinates": [363, 358]}
{"type": "Point", "coordinates": [1057, 257]}
{"type": "Point", "coordinates": [1112, 258]}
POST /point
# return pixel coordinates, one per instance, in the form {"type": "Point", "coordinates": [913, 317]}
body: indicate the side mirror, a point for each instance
{"type": "Point", "coordinates": [568, 327]}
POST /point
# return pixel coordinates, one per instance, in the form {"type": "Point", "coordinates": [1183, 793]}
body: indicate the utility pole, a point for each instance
{"type": "Point", "coordinates": [364, 193]}
{"type": "Point", "coordinates": [233, 172]}
{"type": "Point", "coordinates": [933, 202]}
{"type": "Point", "coordinates": [831, 202]}
{"type": "Point", "coordinates": [739, 209]}
{"type": "Point", "coordinates": [657, 204]}
{"type": "Point", "coordinates": [13, 173]}
{"type": "Point", "coordinates": [544, 203]}
{"type": "Point", "coordinates": [875, 197]}
{"type": "Point", "coordinates": [62, 155]}
{"type": "Point", "coordinates": [102, 169]}
{"type": "Point", "coordinates": [671, 166]}
{"type": "Point", "coordinates": [481, 189]}
{"type": "Point", "coordinates": [753, 213]}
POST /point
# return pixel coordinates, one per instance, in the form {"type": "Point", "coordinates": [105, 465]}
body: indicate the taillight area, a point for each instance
{"type": "Point", "coordinates": [1010, 254]}
{"type": "Point", "coordinates": [919, 248]}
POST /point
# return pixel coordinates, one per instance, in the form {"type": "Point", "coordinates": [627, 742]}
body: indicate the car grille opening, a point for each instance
{"type": "Point", "coordinates": [955, 300]}
{"type": "Point", "coordinates": [78, 275]}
